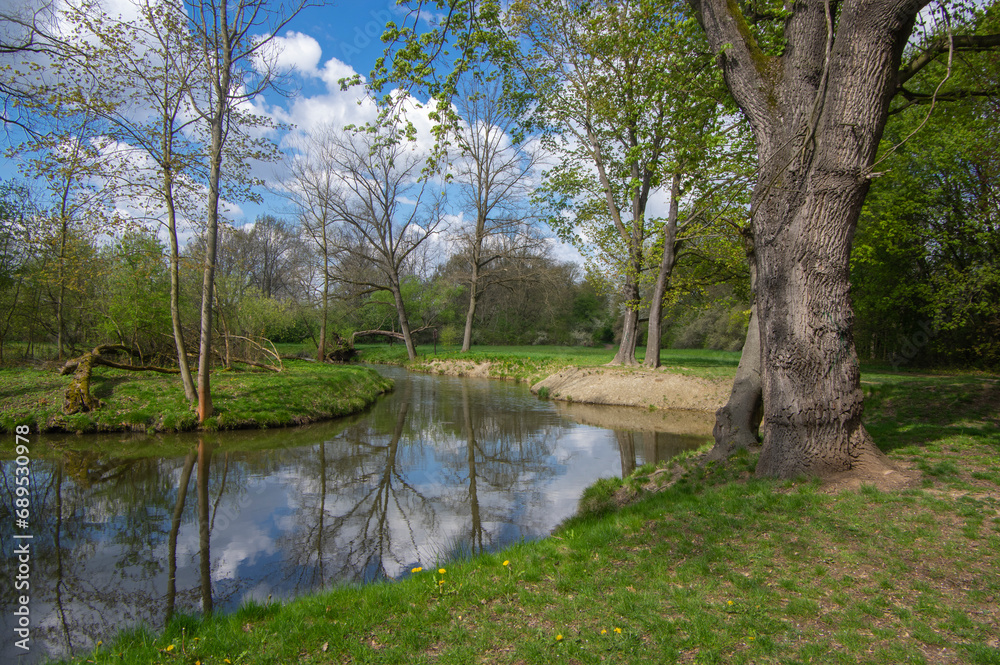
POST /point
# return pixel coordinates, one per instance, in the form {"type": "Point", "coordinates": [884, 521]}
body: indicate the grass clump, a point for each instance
{"type": "Point", "coordinates": [300, 394]}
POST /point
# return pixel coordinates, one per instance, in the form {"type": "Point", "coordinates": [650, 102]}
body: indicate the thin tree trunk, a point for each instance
{"type": "Point", "coordinates": [663, 277]}
{"type": "Point", "coordinates": [630, 329]}
{"type": "Point", "coordinates": [404, 324]}
{"type": "Point", "coordinates": [175, 290]}
{"type": "Point", "coordinates": [321, 347]}
{"type": "Point", "coordinates": [473, 301]}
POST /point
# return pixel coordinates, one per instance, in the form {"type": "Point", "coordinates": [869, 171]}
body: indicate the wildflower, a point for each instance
{"type": "Point", "coordinates": [442, 571]}
{"type": "Point", "coordinates": [618, 630]}
{"type": "Point", "coordinates": [729, 602]}
{"type": "Point", "coordinates": [99, 642]}
{"type": "Point", "coordinates": [170, 647]}
{"type": "Point", "coordinates": [559, 638]}
{"type": "Point", "coordinates": [227, 661]}
{"type": "Point", "coordinates": [440, 582]}
{"type": "Point", "coordinates": [604, 631]}
{"type": "Point", "coordinates": [506, 563]}
{"type": "Point", "coordinates": [416, 570]}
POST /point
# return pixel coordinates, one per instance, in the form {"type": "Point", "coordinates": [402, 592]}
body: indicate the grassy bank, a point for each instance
{"type": "Point", "coordinates": [302, 393]}
{"type": "Point", "coordinates": [717, 568]}
{"type": "Point", "coordinates": [533, 363]}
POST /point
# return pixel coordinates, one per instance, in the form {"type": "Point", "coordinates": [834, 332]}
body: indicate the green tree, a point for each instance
{"type": "Point", "coordinates": [632, 107]}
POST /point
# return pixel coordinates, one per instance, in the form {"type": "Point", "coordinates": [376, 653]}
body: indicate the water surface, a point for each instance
{"type": "Point", "coordinates": [439, 468]}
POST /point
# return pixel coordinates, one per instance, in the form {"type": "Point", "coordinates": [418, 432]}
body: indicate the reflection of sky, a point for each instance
{"type": "Point", "coordinates": [274, 532]}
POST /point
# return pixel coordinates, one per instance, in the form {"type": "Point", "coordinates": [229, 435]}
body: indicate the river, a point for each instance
{"type": "Point", "coordinates": [441, 467]}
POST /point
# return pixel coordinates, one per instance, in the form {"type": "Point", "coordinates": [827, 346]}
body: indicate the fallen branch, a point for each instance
{"type": "Point", "coordinates": [77, 397]}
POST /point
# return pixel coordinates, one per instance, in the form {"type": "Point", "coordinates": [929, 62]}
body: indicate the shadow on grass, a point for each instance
{"type": "Point", "coordinates": [927, 410]}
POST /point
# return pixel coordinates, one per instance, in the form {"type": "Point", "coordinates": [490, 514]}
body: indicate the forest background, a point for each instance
{"type": "Point", "coordinates": [105, 236]}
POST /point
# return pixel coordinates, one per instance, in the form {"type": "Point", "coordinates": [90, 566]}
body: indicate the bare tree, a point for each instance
{"type": "Point", "coordinates": [381, 211]}
{"type": "Point", "coordinates": [312, 188]}
{"type": "Point", "coordinates": [238, 67]}
{"type": "Point", "coordinates": [495, 180]}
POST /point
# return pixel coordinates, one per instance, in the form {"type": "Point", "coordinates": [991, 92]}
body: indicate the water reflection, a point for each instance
{"type": "Point", "coordinates": [440, 467]}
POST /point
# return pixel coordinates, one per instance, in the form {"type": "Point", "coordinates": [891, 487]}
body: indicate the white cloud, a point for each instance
{"type": "Point", "coordinates": [297, 51]}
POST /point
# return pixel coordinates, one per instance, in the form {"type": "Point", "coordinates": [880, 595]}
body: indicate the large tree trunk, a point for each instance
{"type": "Point", "coordinates": [667, 261]}
{"type": "Point", "coordinates": [208, 283]}
{"type": "Point", "coordinates": [817, 111]}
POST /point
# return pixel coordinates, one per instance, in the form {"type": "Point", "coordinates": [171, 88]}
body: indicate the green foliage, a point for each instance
{"type": "Point", "coordinates": [925, 270]}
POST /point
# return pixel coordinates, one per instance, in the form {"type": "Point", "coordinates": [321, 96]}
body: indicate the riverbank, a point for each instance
{"type": "Point", "coordinates": [302, 393]}
{"type": "Point", "coordinates": [690, 379]}
{"type": "Point", "coordinates": [715, 567]}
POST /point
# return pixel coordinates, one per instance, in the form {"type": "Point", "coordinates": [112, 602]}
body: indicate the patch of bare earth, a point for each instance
{"type": "Point", "coordinates": [630, 386]}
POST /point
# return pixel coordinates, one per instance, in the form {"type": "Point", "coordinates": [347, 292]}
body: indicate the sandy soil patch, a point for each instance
{"type": "Point", "coordinates": [468, 368]}
{"type": "Point", "coordinates": [635, 387]}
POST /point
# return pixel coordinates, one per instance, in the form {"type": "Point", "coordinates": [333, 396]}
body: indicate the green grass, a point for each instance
{"type": "Point", "coordinates": [719, 567]}
{"type": "Point", "coordinates": [300, 394]}
{"type": "Point", "coordinates": [533, 363]}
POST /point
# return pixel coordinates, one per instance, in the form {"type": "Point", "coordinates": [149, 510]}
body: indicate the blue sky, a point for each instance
{"type": "Point", "coordinates": [318, 47]}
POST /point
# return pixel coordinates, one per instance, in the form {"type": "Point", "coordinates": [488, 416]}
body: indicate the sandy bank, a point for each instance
{"type": "Point", "coordinates": [644, 388]}
{"type": "Point", "coordinates": [615, 386]}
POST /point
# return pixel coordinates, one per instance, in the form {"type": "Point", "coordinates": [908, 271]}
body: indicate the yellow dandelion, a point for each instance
{"type": "Point", "coordinates": [440, 582]}
{"type": "Point", "coordinates": [416, 570]}
{"type": "Point", "coordinates": [170, 647]}
{"type": "Point", "coordinates": [506, 563]}
{"type": "Point", "coordinates": [618, 630]}
{"type": "Point", "coordinates": [729, 602]}
{"type": "Point", "coordinates": [750, 638]}
{"type": "Point", "coordinates": [99, 642]}
{"type": "Point", "coordinates": [604, 631]}
{"type": "Point", "coordinates": [558, 638]}
{"type": "Point", "coordinates": [442, 571]}
{"type": "Point", "coordinates": [226, 660]}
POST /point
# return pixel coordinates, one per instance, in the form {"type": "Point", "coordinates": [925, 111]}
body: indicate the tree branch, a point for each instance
{"type": "Point", "coordinates": [940, 46]}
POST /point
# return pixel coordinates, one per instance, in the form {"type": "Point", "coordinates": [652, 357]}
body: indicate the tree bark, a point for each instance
{"type": "Point", "coordinates": [175, 284]}
{"type": "Point", "coordinates": [817, 112]}
{"type": "Point", "coordinates": [404, 324]}
{"type": "Point", "coordinates": [77, 397]}
{"type": "Point", "coordinates": [473, 300]}
{"type": "Point", "coordinates": [737, 424]}
{"type": "Point", "coordinates": [630, 329]}
{"type": "Point", "coordinates": [667, 262]}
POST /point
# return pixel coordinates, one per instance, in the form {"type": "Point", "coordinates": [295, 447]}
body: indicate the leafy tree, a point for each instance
{"type": "Point", "coordinates": [815, 81]}
{"type": "Point", "coordinates": [632, 106]}
{"type": "Point", "coordinates": [925, 271]}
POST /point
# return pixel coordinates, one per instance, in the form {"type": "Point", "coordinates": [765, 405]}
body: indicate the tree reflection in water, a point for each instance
{"type": "Point", "coordinates": [441, 467]}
